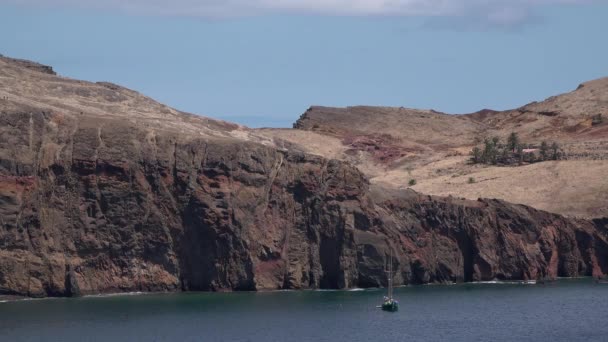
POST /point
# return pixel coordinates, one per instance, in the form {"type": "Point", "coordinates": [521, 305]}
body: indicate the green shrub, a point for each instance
{"type": "Point", "coordinates": [513, 141]}
{"type": "Point", "coordinates": [412, 182]}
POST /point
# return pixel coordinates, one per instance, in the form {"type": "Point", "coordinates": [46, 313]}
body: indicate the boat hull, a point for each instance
{"type": "Point", "coordinates": [392, 307]}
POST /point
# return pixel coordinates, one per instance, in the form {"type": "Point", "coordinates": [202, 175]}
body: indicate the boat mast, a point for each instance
{"type": "Point", "coordinates": [390, 275]}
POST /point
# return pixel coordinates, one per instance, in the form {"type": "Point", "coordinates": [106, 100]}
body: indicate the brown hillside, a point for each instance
{"type": "Point", "coordinates": [394, 145]}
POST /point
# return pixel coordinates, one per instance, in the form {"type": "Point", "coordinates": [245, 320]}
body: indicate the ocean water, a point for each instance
{"type": "Point", "coordinates": [568, 310]}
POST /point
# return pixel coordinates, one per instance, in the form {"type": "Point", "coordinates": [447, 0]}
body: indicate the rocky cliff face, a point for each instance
{"type": "Point", "coordinates": [457, 240]}
{"type": "Point", "coordinates": [92, 203]}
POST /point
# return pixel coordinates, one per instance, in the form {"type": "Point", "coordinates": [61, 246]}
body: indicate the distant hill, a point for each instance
{"type": "Point", "coordinates": [394, 145]}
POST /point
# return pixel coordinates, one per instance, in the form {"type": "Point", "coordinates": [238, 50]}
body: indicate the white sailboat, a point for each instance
{"type": "Point", "coordinates": [389, 303]}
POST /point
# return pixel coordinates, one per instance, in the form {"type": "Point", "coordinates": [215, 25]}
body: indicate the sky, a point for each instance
{"type": "Point", "coordinates": [262, 63]}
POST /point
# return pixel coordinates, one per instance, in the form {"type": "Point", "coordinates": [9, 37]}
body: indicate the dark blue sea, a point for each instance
{"type": "Point", "coordinates": [568, 310]}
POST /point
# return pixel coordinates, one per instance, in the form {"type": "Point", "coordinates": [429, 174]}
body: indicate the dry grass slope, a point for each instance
{"type": "Point", "coordinates": [394, 145]}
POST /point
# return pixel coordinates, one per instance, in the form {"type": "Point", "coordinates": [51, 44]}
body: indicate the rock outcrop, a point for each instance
{"type": "Point", "coordinates": [22, 63]}
{"type": "Point", "coordinates": [92, 202]}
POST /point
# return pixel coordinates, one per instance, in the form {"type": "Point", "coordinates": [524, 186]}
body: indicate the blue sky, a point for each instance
{"type": "Point", "coordinates": [263, 63]}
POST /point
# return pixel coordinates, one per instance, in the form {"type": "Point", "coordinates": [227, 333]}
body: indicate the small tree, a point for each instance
{"type": "Point", "coordinates": [488, 152]}
{"type": "Point", "coordinates": [471, 180]}
{"type": "Point", "coordinates": [496, 141]}
{"type": "Point", "coordinates": [544, 149]}
{"type": "Point", "coordinates": [412, 182]}
{"type": "Point", "coordinates": [476, 155]}
{"type": "Point", "coordinates": [520, 153]}
{"type": "Point", "coordinates": [555, 155]}
{"type": "Point", "coordinates": [513, 142]}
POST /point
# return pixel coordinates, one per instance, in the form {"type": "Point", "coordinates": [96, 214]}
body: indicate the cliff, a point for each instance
{"type": "Point", "coordinates": [104, 190]}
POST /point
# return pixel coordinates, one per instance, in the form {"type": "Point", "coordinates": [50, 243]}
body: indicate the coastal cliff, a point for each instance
{"type": "Point", "coordinates": [103, 190]}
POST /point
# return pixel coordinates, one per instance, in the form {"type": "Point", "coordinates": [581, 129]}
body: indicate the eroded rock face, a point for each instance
{"type": "Point", "coordinates": [456, 240]}
{"type": "Point", "coordinates": [106, 206]}
{"type": "Point", "coordinates": [87, 209]}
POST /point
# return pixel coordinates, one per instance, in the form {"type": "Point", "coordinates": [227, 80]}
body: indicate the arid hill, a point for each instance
{"type": "Point", "coordinates": [395, 145]}
{"type": "Point", "coordinates": [105, 190]}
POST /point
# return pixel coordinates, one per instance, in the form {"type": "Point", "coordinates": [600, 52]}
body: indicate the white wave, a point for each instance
{"type": "Point", "coordinates": [117, 294]}
{"type": "Point", "coordinates": [26, 299]}
{"type": "Point", "coordinates": [488, 282]}
{"type": "Point", "coordinates": [505, 282]}
{"type": "Point", "coordinates": [434, 284]}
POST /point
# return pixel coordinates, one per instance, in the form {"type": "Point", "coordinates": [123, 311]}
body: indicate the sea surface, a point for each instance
{"type": "Point", "coordinates": [568, 310]}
